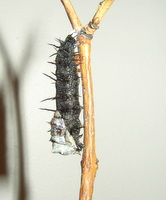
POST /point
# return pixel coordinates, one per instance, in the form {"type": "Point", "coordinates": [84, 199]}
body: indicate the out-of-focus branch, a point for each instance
{"type": "Point", "coordinates": [12, 81]}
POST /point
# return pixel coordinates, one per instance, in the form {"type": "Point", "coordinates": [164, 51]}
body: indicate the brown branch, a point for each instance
{"type": "Point", "coordinates": [72, 15]}
{"type": "Point", "coordinates": [89, 160]}
{"type": "Point", "coordinates": [89, 163]}
{"type": "Point", "coordinates": [101, 11]}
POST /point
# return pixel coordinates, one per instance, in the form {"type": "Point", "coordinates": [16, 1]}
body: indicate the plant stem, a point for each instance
{"type": "Point", "coordinates": [89, 160]}
{"type": "Point", "coordinates": [89, 163]}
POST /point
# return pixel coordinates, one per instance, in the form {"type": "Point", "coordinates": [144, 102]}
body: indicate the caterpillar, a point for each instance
{"type": "Point", "coordinates": [65, 124]}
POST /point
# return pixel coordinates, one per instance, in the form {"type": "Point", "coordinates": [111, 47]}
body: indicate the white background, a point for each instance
{"type": "Point", "coordinates": [129, 75]}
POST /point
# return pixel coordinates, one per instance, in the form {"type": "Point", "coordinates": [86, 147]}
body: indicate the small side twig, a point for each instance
{"type": "Point", "coordinates": [101, 11]}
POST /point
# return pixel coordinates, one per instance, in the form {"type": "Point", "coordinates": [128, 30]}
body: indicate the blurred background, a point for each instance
{"type": "Point", "coordinates": [129, 77]}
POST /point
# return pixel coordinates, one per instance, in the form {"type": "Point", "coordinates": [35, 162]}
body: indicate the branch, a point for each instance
{"type": "Point", "coordinates": [89, 160]}
{"type": "Point", "coordinates": [89, 163]}
{"type": "Point", "coordinates": [72, 15]}
{"type": "Point", "coordinates": [101, 11]}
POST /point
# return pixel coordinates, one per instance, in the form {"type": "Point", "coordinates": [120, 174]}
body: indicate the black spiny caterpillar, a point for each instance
{"type": "Point", "coordinates": [67, 100]}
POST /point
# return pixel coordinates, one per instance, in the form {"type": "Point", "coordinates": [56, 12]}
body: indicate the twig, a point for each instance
{"type": "Point", "coordinates": [101, 11]}
{"type": "Point", "coordinates": [74, 20]}
{"type": "Point", "coordinates": [89, 161]}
